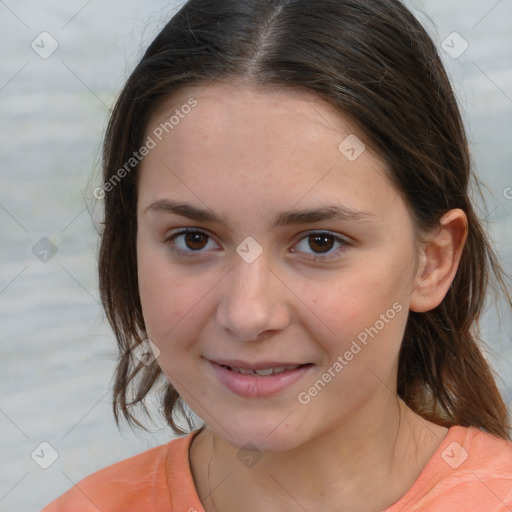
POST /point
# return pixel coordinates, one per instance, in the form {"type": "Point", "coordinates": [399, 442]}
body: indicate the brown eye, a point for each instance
{"type": "Point", "coordinates": [189, 241]}
{"type": "Point", "coordinates": [195, 241]}
{"type": "Point", "coordinates": [321, 243]}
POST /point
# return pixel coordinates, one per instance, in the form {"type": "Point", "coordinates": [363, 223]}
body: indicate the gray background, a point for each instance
{"type": "Point", "coordinates": [56, 352]}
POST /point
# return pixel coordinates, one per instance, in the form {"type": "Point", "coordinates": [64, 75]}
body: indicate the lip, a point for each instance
{"type": "Point", "coordinates": [257, 386]}
{"type": "Point", "coordinates": [237, 363]}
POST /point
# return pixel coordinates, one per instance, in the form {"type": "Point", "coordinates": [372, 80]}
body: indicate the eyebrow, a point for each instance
{"type": "Point", "coordinates": [290, 217]}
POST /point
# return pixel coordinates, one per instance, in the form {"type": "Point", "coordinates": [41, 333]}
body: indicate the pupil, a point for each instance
{"type": "Point", "coordinates": [194, 238]}
{"type": "Point", "coordinates": [322, 241]}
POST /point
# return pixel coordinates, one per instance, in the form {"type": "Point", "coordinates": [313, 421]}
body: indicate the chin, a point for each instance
{"type": "Point", "coordinates": [258, 435]}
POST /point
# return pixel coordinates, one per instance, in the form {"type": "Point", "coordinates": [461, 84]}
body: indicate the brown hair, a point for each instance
{"type": "Point", "coordinates": [374, 62]}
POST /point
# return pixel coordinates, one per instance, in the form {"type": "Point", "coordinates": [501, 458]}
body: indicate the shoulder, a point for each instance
{"type": "Point", "coordinates": [471, 471]}
{"type": "Point", "coordinates": [474, 471]}
{"type": "Point", "coordinates": [478, 469]}
{"type": "Point", "coordinates": [139, 483]}
{"type": "Point", "coordinates": [482, 451]}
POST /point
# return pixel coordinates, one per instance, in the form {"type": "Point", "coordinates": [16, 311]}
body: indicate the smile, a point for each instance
{"type": "Point", "coordinates": [262, 372]}
{"type": "Point", "coordinates": [259, 380]}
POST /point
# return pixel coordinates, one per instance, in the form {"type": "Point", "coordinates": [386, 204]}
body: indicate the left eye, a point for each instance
{"type": "Point", "coordinates": [322, 242]}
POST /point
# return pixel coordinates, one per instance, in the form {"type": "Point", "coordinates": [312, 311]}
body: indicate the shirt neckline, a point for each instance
{"type": "Point", "coordinates": [184, 493]}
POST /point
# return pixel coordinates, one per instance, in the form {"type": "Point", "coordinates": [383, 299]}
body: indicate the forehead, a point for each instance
{"type": "Point", "coordinates": [227, 113]}
{"type": "Point", "coordinates": [278, 147]}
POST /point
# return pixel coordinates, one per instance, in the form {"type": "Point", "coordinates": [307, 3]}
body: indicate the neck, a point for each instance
{"type": "Point", "coordinates": [364, 465]}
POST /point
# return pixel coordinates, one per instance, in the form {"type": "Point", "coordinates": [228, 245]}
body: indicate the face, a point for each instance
{"type": "Point", "coordinates": [265, 245]}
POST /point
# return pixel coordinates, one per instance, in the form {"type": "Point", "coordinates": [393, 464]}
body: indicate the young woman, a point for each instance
{"type": "Point", "coordinates": [288, 229]}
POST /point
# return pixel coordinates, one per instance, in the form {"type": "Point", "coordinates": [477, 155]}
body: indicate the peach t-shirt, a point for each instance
{"type": "Point", "coordinates": [470, 471]}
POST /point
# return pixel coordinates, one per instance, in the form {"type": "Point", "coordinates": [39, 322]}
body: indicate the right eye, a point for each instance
{"type": "Point", "coordinates": [189, 241]}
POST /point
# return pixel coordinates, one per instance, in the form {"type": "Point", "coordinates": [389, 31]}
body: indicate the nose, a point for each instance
{"type": "Point", "coordinates": [253, 304]}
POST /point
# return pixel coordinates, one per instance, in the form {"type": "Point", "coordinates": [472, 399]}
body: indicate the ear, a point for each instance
{"type": "Point", "coordinates": [438, 262]}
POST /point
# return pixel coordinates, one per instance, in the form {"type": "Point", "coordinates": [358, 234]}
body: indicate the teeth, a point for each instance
{"type": "Point", "coordinates": [263, 373]}
{"type": "Point", "coordinates": [269, 371]}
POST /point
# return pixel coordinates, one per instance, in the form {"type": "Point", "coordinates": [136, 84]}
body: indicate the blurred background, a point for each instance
{"type": "Point", "coordinates": [62, 65]}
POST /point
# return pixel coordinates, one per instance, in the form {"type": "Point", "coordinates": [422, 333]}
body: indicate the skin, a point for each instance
{"type": "Point", "coordinates": [249, 154]}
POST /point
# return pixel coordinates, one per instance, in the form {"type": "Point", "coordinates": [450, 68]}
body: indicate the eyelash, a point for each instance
{"type": "Point", "coordinates": [316, 257]}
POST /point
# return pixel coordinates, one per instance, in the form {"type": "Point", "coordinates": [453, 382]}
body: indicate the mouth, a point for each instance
{"type": "Point", "coordinates": [264, 372]}
{"type": "Point", "coordinates": [259, 380]}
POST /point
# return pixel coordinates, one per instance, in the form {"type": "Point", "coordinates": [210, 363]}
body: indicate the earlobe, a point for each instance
{"type": "Point", "coordinates": [439, 261]}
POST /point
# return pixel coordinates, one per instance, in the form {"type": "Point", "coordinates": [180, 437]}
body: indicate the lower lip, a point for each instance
{"type": "Point", "coordinates": [258, 386]}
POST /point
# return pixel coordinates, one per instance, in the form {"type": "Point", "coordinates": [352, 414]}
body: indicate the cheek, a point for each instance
{"type": "Point", "coordinates": [365, 314]}
{"type": "Point", "coordinates": [164, 298]}
{"type": "Point", "coordinates": [357, 301]}
{"type": "Point", "coordinates": [363, 351]}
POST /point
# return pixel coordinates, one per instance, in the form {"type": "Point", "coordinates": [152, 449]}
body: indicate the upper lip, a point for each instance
{"type": "Point", "coordinates": [261, 365]}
